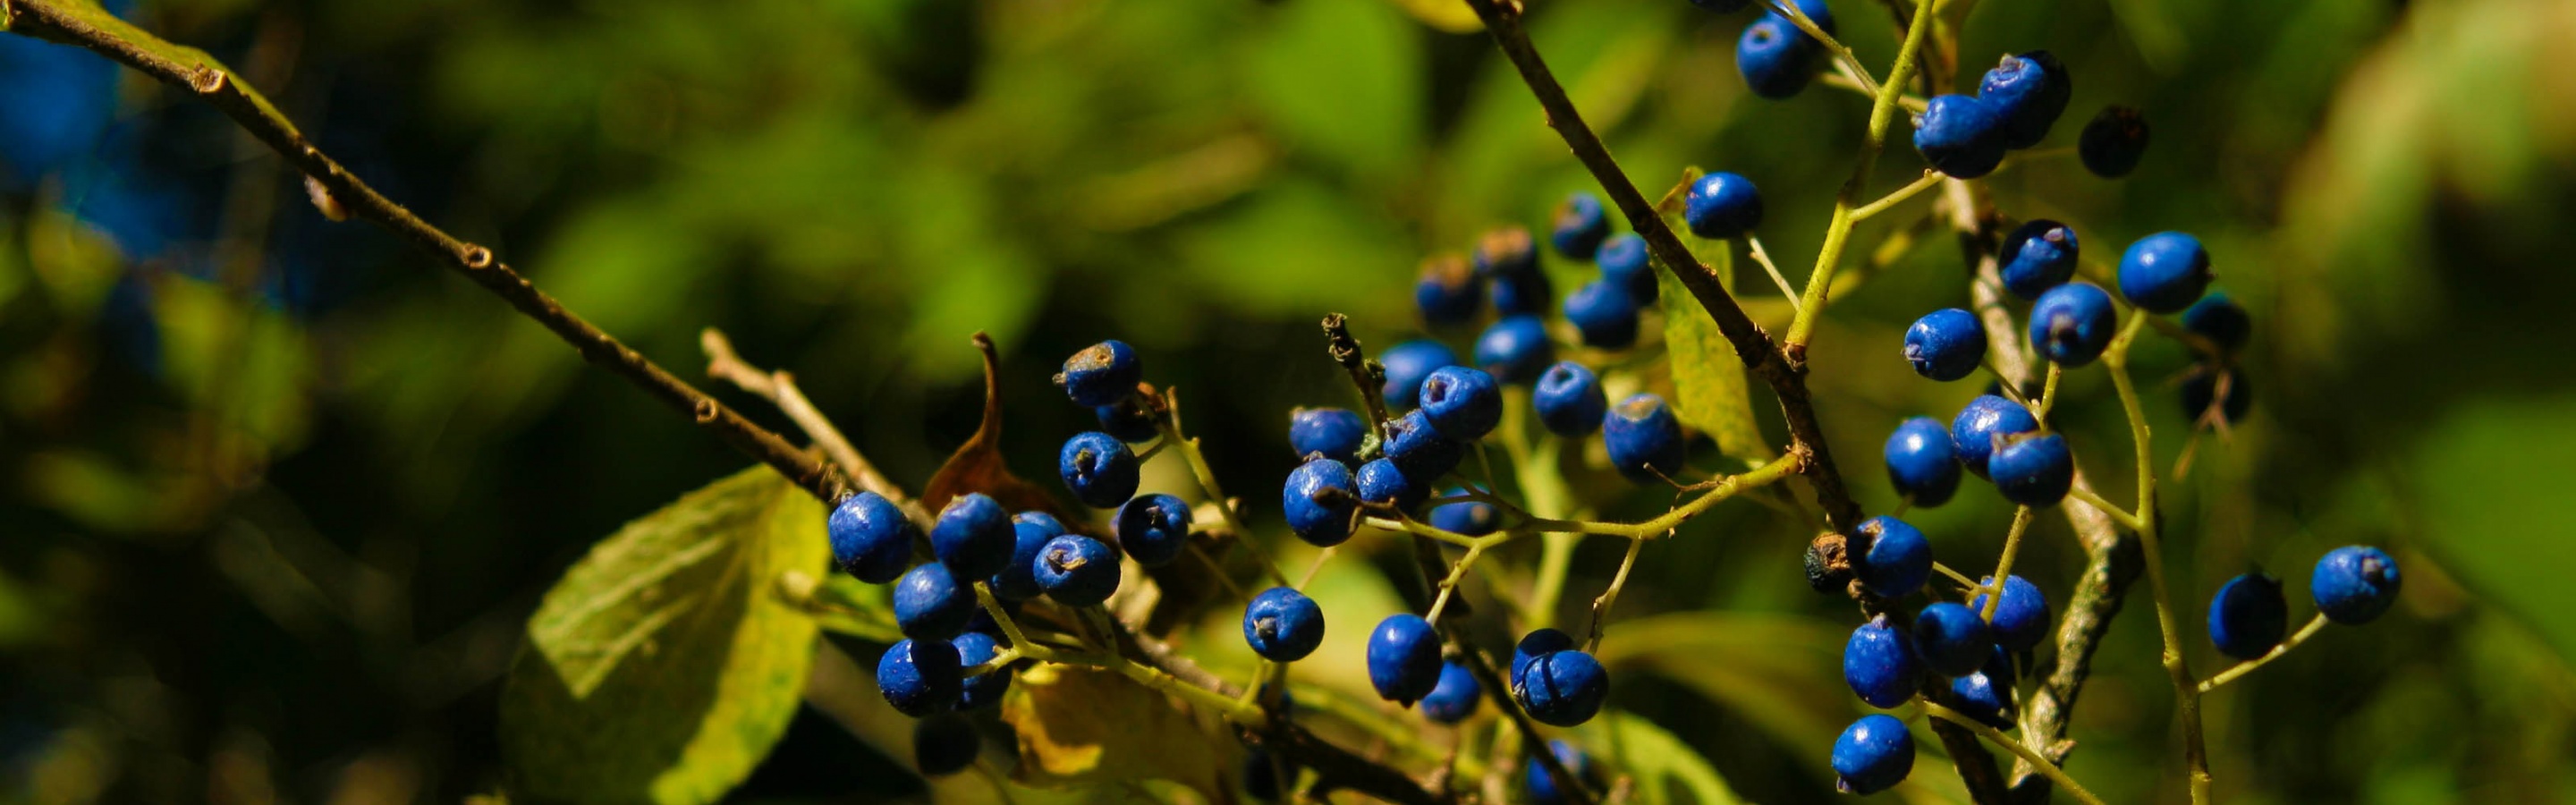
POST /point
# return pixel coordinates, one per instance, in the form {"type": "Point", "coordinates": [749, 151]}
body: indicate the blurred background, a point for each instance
{"type": "Point", "coordinates": [278, 493]}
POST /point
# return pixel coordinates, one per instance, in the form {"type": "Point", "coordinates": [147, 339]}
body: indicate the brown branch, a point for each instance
{"type": "Point", "coordinates": [779, 387]}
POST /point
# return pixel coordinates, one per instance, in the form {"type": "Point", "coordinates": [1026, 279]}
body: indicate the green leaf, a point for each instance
{"type": "Point", "coordinates": [664, 664]}
{"type": "Point", "coordinates": [1709, 381]}
{"type": "Point", "coordinates": [1656, 760]}
{"type": "Point", "coordinates": [1082, 727]}
{"type": "Point", "coordinates": [2484, 453]}
{"type": "Point", "coordinates": [1778, 672]}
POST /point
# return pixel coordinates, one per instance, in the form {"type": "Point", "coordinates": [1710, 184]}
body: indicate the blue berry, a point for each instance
{"type": "Point", "coordinates": [1921, 463]}
{"type": "Point", "coordinates": [1960, 135]}
{"type": "Point", "coordinates": [1455, 698]}
{"type": "Point", "coordinates": [1563, 688]}
{"type": "Point", "coordinates": [1154, 528]}
{"type": "Point", "coordinates": [1130, 422]}
{"type": "Point", "coordinates": [1951, 638]}
{"type": "Point", "coordinates": [2221, 320]}
{"type": "Point", "coordinates": [973, 536]}
{"type": "Point", "coordinates": [1076, 570]}
{"type": "Point", "coordinates": [2030, 90]}
{"type": "Point", "coordinates": [920, 677]}
{"type": "Point", "coordinates": [1722, 206]}
{"type": "Point", "coordinates": [1460, 403]}
{"type": "Point", "coordinates": [2037, 256]}
{"type": "Point", "coordinates": [944, 744]}
{"type": "Point", "coordinates": [1505, 250]}
{"type": "Point", "coordinates": [1984, 420]}
{"type": "Point", "coordinates": [1603, 314]}
{"type": "Point", "coordinates": [1098, 469]}
{"type": "Point", "coordinates": [2164, 272]}
{"type": "Point", "coordinates": [2354, 584]}
{"type": "Point", "coordinates": [928, 602]}
{"type": "Point", "coordinates": [1404, 658]}
{"type": "Point", "coordinates": [2071, 324]}
{"type": "Point", "coordinates": [1536, 644]}
{"type": "Point", "coordinates": [1319, 501]}
{"type": "Point", "coordinates": [1544, 789]}
{"type": "Point", "coordinates": [2035, 471]}
{"type": "Point", "coordinates": [1644, 440]}
{"type": "Point", "coordinates": [1569, 400]}
{"type": "Point", "coordinates": [871, 539]}
{"type": "Point", "coordinates": [1448, 292]}
{"type": "Point", "coordinates": [1623, 261]}
{"type": "Point", "coordinates": [1030, 531]}
{"type": "Point", "coordinates": [2113, 142]}
{"type": "Point", "coordinates": [1987, 695]}
{"type": "Point", "coordinates": [1101, 374]}
{"type": "Point", "coordinates": [1873, 755]}
{"type": "Point", "coordinates": [1408, 363]}
{"type": "Point", "coordinates": [1283, 625]}
{"type": "Point", "coordinates": [1337, 433]}
{"type": "Point", "coordinates": [1879, 664]}
{"type": "Point", "coordinates": [1581, 225]}
{"type": "Point", "coordinates": [1420, 450]}
{"type": "Point", "coordinates": [983, 690]}
{"type": "Point", "coordinates": [1523, 293]}
{"type": "Point", "coordinates": [2021, 620]}
{"type": "Point", "coordinates": [1382, 481]}
{"type": "Point", "coordinates": [1946, 344]}
{"type": "Point", "coordinates": [1515, 349]}
{"type": "Point", "coordinates": [2248, 616]}
{"type": "Point", "coordinates": [1472, 518]}
{"type": "Point", "coordinates": [1899, 558]}
{"type": "Point", "coordinates": [1776, 59]}
{"type": "Point", "coordinates": [2202, 387]}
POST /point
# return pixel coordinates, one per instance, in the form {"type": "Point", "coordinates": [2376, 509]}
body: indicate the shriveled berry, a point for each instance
{"type": "Point", "coordinates": [1951, 638]}
{"type": "Point", "coordinates": [1722, 206]}
{"type": "Point", "coordinates": [1030, 532]}
{"type": "Point", "coordinates": [2021, 619]}
{"type": "Point", "coordinates": [2219, 319]}
{"type": "Point", "coordinates": [2034, 471]}
{"type": "Point", "coordinates": [1603, 314]}
{"type": "Point", "coordinates": [1505, 250]}
{"type": "Point", "coordinates": [1879, 664]}
{"type": "Point", "coordinates": [2354, 584]}
{"type": "Point", "coordinates": [1448, 291]}
{"type": "Point", "coordinates": [1420, 450]}
{"type": "Point", "coordinates": [1643, 438]}
{"type": "Point", "coordinates": [1873, 755]}
{"type": "Point", "coordinates": [2113, 142]}
{"type": "Point", "coordinates": [985, 689]}
{"type": "Point", "coordinates": [920, 676]}
{"type": "Point", "coordinates": [1569, 400]}
{"type": "Point", "coordinates": [1899, 558]}
{"type": "Point", "coordinates": [1102, 373]}
{"type": "Point", "coordinates": [871, 539]}
{"type": "Point", "coordinates": [1128, 421]}
{"type": "Point", "coordinates": [1581, 224]}
{"type": "Point", "coordinates": [1154, 528]}
{"type": "Point", "coordinates": [1563, 688]}
{"type": "Point", "coordinates": [928, 602]}
{"type": "Point", "coordinates": [944, 744]}
{"type": "Point", "coordinates": [1076, 570]}
{"type": "Point", "coordinates": [2072, 323]}
{"type": "Point", "coordinates": [1515, 349]}
{"type": "Point", "coordinates": [1383, 481]}
{"type": "Point", "coordinates": [2164, 272]}
{"type": "Point", "coordinates": [972, 536]}
{"type": "Point", "coordinates": [1961, 136]}
{"type": "Point", "coordinates": [1921, 463]}
{"type": "Point", "coordinates": [1946, 344]}
{"type": "Point", "coordinates": [1623, 261]}
{"type": "Point", "coordinates": [1404, 658]}
{"type": "Point", "coordinates": [2030, 90]}
{"type": "Point", "coordinates": [1283, 625]}
{"type": "Point", "coordinates": [2199, 390]}
{"type": "Point", "coordinates": [1408, 363]}
{"type": "Point", "coordinates": [2248, 616]}
{"type": "Point", "coordinates": [1985, 420]}
{"type": "Point", "coordinates": [1098, 469]}
{"type": "Point", "coordinates": [1460, 403]}
{"type": "Point", "coordinates": [1455, 698]}
{"type": "Point", "coordinates": [1472, 518]}
{"type": "Point", "coordinates": [1320, 501]}
{"type": "Point", "coordinates": [1337, 433]}
{"type": "Point", "coordinates": [2036, 256]}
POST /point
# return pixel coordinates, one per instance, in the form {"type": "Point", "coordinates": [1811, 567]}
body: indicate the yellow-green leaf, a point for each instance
{"type": "Point", "coordinates": [664, 664]}
{"type": "Point", "coordinates": [1708, 377]}
{"type": "Point", "coordinates": [1658, 762]}
{"type": "Point", "coordinates": [1084, 726]}
{"type": "Point", "coordinates": [1778, 672]}
{"type": "Point", "coordinates": [1447, 15]}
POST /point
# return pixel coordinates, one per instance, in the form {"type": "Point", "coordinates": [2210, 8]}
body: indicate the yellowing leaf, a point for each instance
{"type": "Point", "coordinates": [1708, 377]}
{"type": "Point", "coordinates": [664, 665]}
{"type": "Point", "coordinates": [1084, 726]}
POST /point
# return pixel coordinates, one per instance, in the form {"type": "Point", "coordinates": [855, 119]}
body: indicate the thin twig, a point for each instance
{"type": "Point", "coordinates": [779, 387]}
{"type": "Point", "coordinates": [1763, 256]}
{"type": "Point", "coordinates": [2315, 625]}
{"type": "Point", "coordinates": [1929, 179]}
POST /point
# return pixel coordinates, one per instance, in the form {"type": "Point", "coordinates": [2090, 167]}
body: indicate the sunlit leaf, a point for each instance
{"type": "Point", "coordinates": [1447, 15]}
{"type": "Point", "coordinates": [1708, 377]}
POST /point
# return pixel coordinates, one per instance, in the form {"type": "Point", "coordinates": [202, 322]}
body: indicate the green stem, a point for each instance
{"type": "Point", "coordinates": [2315, 625]}
{"type": "Point", "coordinates": [2150, 542]}
{"type": "Point", "coordinates": [1189, 449]}
{"type": "Point", "coordinates": [2003, 567]}
{"type": "Point", "coordinates": [1882, 113]}
{"type": "Point", "coordinates": [1999, 739]}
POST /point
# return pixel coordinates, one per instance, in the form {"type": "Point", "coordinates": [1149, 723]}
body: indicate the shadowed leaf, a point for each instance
{"type": "Point", "coordinates": [1659, 762]}
{"type": "Point", "coordinates": [1082, 726]}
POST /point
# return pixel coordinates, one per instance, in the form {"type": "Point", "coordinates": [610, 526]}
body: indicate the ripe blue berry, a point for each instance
{"type": "Point", "coordinates": [1523, 293]}
{"type": "Point", "coordinates": [1283, 625]}
{"type": "Point", "coordinates": [2034, 471]}
{"type": "Point", "coordinates": [1545, 789]}
{"type": "Point", "coordinates": [1408, 363]}
{"type": "Point", "coordinates": [1128, 421]}
{"type": "Point", "coordinates": [2221, 320]}
{"type": "Point", "coordinates": [1098, 469]}
{"type": "Point", "coordinates": [1984, 420]}
{"type": "Point", "coordinates": [2071, 323]}
{"type": "Point", "coordinates": [1472, 518]}
{"type": "Point", "coordinates": [1337, 433]}
{"type": "Point", "coordinates": [2037, 256]}
{"type": "Point", "coordinates": [1030, 531]}
{"type": "Point", "coordinates": [973, 536]}
{"type": "Point", "coordinates": [1404, 658]}
{"type": "Point", "coordinates": [1946, 344]}
{"type": "Point", "coordinates": [1563, 688]}
{"type": "Point", "coordinates": [1420, 450]}
{"type": "Point", "coordinates": [928, 602]}
{"type": "Point", "coordinates": [1460, 403]}
{"type": "Point", "coordinates": [1319, 501]}
{"type": "Point", "coordinates": [1382, 481]}
{"type": "Point", "coordinates": [1076, 570]}
{"type": "Point", "coordinates": [1448, 292]}
{"type": "Point", "coordinates": [982, 690]}
{"type": "Point", "coordinates": [1960, 135]}
{"type": "Point", "coordinates": [1455, 698]}
{"type": "Point", "coordinates": [1534, 645]}
{"type": "Point", "coordinates": [1921, 462]}
{"type": "Point", "coordinates": [871, 539]}
{"type": "Point", "coordinates": [2164, 272]}
{"type": "Point", "coordinates": [1101, 374]}
{"type": "Point", "coordinates": [920, 677]}
{"type": "Point", "coordinates": [2021, 620]}
{"type": "Point", "coordinates": [2030, 90]}
{"type": "Point", "coordinates": [1505, 250]}
{"type": "Point", "coordinates": [944, 744]}
{"type": "Point", "coordinates": [1154, 528]}
{"type": "Point", "coordinates": [1722, 206]}
{"type": "Point", "coordinates": [2113, 142]}
{"type": "Point", "coordinates": [1987, 695]}
{"type": "Point", "coordinates": [2248, 616]}
{"type": "Point", "coordinates": [2202, 387]}
{"type": "Point", "coordinates": [1898, 560]}
{"type": "Point", "coordinates": [1515, 349]}
{"type": "Point", "coordinates": [1623, 260]}
{"type": "Point", "coordinates": [1644, 440]}
{"type": "Point", "coordinates": [1776, 59]}
{"type": "Point", "coordinates": [1952, 639]}
{"type": "Point", "coordinates": [1569, 400]}
{"type": "Point", "coordinates": [1873, 755]}
{"type": "Point", "coordinates": [1603, 314]}
{"type": "Point", "coordinates": [1581, 224]}
{"type": "Point", "coordinates": [1879, 664]}
{"type": "Point", "coordinates": [2354, 584]}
